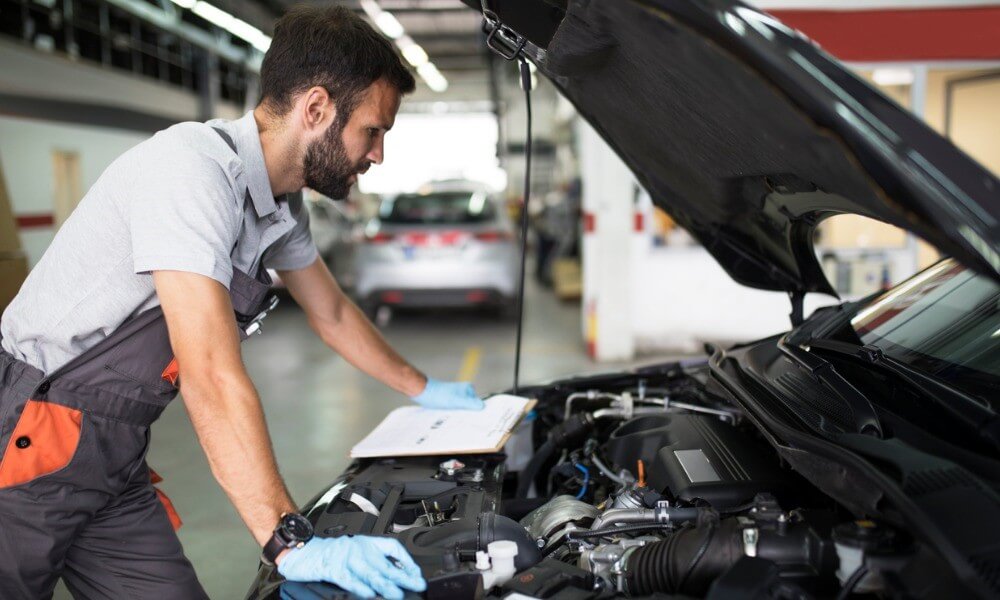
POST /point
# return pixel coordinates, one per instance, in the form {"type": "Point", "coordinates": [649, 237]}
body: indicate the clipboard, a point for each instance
{"type": "Point", "coordinates": [417, 431]}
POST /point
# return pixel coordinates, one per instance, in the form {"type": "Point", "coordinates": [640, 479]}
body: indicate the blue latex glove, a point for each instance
{"type": "Point", "coordinates": [448, 395]}
{"type": "Point", "coordinates": [362, 565]}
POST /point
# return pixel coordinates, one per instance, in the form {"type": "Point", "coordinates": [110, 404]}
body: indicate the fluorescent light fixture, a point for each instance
{"type": "Point", "coordinates": [238, 27]}
{"type": "Point", "coordinates": [415, 55]}
{"type": "Point", "coordinates": [244, 30]}
{"type": "Point", "coordinates": [432, 77]}
{"type": "Point", "coordinates": [385, 21]}
{"type": "Point", "coordinates": [893, 76]}
{"type": "Point", "coordinates": [370, 7]}
{"type": "Point", "coordinates": [411, 51]}
{"type": "Point", "coordinates": [213, 15]}
{"type": "Point", "coordinates": [389, 25]}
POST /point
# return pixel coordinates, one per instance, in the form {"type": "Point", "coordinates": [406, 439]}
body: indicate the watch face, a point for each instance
{"type": "Point", "coordinates": [298, 527]}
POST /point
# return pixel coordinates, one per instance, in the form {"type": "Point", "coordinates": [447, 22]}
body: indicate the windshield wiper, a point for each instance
{"type": "Point", "coordinates": [972, 412]}
{"type": "Point", "coordinates": [865, 418]}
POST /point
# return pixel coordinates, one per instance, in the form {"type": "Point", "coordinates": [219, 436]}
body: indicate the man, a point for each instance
{"type": "Point", "coordinates": [151, 284]}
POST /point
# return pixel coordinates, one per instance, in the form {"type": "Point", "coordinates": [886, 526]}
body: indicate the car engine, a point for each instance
{"type": "Point", "coordinates": [629, 485]}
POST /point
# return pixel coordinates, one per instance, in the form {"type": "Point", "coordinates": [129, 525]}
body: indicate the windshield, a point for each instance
{"type": "Point", "coordinates": [944, 321]}
{"type": "Point", "coordinates": [439, 208]}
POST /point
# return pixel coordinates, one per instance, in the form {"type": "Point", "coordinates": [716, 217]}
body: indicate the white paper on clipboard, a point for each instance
{"type": "Point", "coordinates": [414, 431]}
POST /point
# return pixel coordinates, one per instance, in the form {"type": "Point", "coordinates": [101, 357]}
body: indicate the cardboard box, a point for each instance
{"type": "Point", "coordinates": [13, 271]}
{"type": "Point", "coordinates": [566, 278]}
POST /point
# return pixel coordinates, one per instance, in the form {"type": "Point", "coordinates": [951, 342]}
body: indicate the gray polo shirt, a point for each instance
{"type": "Point", "coordinates": [178, 201]}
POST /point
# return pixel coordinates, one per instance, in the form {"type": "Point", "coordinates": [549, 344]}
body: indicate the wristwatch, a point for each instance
{"type": "Point", "coordinates": [293, 531]}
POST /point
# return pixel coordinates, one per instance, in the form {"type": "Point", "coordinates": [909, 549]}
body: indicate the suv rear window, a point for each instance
{"type": "Point", "coordinates": [439, 208]}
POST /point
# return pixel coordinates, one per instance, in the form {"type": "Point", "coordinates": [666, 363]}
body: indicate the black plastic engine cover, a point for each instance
{"type": "Point", "coordinates": [698, 457]}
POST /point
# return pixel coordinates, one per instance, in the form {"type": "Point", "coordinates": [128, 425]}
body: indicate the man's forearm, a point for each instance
{"type": "Point", "coordinates": [228, 419]}
{"type": "Point", "coordinates": [354, 337]}
{"type": "Point", "coordinates": [339, 323]}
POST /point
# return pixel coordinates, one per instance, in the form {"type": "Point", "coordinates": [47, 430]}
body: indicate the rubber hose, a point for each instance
{"type": "Point", "coordinates": [685, 563]}
{"type": "Point", "coordinates": [569, 432]}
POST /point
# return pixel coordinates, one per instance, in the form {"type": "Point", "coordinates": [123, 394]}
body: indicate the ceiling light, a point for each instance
{"type": "Point", "coordinates": [893, 76]}
{"type": "Point", "coordinates": [385, 21]}
{"type": "Point", "coordinates": [188, 4]}
{"type": "Point", "coordinates": [389, 25]}
{"type": "Point", "coordinates": [415, 55]}
{"type": "Point", "coordinates": [370, 7]}
{"type": "Point", "coordinates": [213, 15]}
{"type": "Point", "coordinates": [432, 77]}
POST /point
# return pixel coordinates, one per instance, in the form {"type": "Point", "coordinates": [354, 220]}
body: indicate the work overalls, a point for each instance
{"type": "Point", "coordinates": [76, 495]}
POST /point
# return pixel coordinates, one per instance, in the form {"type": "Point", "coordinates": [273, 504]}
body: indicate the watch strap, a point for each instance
{"type": "Point", "coordinates": [272, 549]}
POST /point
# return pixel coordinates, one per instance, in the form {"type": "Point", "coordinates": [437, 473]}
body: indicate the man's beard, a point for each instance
{"type": "Point", "coordinates": [327, 168]}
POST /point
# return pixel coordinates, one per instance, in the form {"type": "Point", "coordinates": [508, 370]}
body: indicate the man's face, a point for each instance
{"type": "Point", "coordinates": [333, 162]}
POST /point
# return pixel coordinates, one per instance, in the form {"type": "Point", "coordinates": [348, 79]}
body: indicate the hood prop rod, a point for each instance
{"type": "Point", "coordinates": [797, 315]}
{"type": "Point", "coordinates": [509, 45]}
{"type": "Point", "coordinates": [526, 83]}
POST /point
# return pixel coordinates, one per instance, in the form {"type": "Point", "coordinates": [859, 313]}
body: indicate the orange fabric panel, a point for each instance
{"type": "Point", "coordinates": [52, 432]}
{"type": "Point", "coordinates": [175, 518]}
{"type": "Point", "coordinates": [171, 373]}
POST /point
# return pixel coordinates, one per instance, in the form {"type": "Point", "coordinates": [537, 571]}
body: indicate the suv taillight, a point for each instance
{"type": "Point", "coordinates": [380, 238]}
{"type": "Point", "coordinates": [493, 236]}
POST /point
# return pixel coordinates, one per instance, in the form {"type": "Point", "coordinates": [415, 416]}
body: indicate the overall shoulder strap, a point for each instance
{"type": "Point", "coordinates": [226, 138]}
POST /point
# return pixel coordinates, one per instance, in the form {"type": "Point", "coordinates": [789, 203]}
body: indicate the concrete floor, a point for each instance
{"type": "Point", "coordinates": [318, 406]}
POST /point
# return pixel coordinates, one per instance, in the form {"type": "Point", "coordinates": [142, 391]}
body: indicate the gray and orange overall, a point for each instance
{"type": "Point", "coordinates": [76, 495]}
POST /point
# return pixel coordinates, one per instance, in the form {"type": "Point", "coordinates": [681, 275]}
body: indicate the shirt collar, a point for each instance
{"type": "Point", "coordinates": [247, 139]}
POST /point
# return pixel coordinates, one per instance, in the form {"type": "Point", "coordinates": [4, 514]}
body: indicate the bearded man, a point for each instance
{"type": "Point", "coordinates": [149, 288]}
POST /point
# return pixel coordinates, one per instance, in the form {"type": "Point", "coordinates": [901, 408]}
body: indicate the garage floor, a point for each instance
{"type": "Point", "coordinates": [318, 406]}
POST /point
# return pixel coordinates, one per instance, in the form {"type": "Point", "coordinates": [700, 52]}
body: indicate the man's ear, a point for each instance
{"type": "Point", "coordinates": [318, 110]}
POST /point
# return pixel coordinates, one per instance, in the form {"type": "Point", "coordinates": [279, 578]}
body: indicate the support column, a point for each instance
{"type": "Point", "coordinates": [918, 106]}
{"type": "Point", "coordinates": [608, 212]}
{"type": "Point", "coordinates": [208, 85]}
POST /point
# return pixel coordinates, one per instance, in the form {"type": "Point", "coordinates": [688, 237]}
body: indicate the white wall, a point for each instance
{"type": "Point", "coordinates": [641, 298]}
{"type": "Point", "coordinates": [683, 298]}
{"type": "Point", "coordinates": [26, 148]}
{"type": "Point", "coordinates": [424, 147]}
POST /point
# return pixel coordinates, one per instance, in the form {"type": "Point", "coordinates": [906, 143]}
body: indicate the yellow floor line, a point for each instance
{"type": "Point", "coordinates": [470, 364]}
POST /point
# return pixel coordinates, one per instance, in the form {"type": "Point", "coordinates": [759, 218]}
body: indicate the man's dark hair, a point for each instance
{"type": "Point", "coordinates": [332, 47]}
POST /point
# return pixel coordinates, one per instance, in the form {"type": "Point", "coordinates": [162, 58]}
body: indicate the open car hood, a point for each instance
{"type": "Point", "coordinates": [749, 135]}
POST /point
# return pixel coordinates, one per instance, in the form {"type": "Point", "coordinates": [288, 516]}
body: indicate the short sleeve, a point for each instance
{"type": "Point", "coordinates": [185, 217]}
{"type": "Point", "coordinates": [295, 249]}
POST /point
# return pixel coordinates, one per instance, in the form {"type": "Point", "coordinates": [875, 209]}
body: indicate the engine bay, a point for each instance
{"type": "Point", "coordinates": [628, 485]}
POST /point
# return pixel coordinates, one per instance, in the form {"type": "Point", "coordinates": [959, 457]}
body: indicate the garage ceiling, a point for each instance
{"type": "Point", "coordinates": [446, 29]}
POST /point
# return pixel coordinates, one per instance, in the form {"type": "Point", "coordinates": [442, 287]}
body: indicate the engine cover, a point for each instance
{"type": "Point", "coordinates": [698, 457]}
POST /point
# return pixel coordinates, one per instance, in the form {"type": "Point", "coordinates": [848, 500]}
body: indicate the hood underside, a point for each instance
{"type": "Point", "coordinates": [749, 135]}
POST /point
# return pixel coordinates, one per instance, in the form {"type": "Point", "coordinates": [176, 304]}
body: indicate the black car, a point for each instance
{"type": "Point", "coordinates": [859, 453]}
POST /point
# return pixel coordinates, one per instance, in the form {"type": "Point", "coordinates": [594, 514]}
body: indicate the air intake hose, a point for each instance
{"type": "Point", "coordinates": [685, 563]}
{"type": "Point", "coordinates": [572, 431]}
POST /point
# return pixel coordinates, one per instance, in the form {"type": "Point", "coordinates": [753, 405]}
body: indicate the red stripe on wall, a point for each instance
{"type": "Point", "coordinates": [589, 222]}
{"type": "Point", "coordinates": [35, 221]}
{"type": "Point", "coordinates": [969, 33]}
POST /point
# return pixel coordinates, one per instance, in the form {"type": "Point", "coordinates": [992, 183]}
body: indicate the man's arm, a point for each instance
{"type": "Point", "coordinates": [344, 328]}
{"type": "Point", "coordinates": [220, 398]}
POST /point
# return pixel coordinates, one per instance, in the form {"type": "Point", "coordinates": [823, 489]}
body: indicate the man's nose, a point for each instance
{"type": "Point", "coordinates": [377, 152]}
